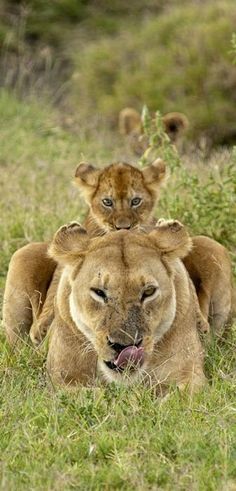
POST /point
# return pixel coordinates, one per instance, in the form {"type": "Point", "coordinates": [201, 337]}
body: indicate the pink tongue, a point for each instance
{"type": "Point", "coordinates": [129, 356]}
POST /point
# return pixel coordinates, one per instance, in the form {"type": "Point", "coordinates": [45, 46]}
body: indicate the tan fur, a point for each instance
{"type": "Point", "coordinates": [209, 266]}
{"type": "Point", "coordinates": [120, 182]}
{"type": "Point", "coordinates": [130, 124]}
{"type": "Point", "coordinates": [123, 264]}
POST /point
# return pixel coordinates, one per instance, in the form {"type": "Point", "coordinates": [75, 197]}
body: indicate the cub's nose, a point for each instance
{"type": "Point", "coordinates": [122, 223]}
{"type": "Point", "coordinates": [124, 227]}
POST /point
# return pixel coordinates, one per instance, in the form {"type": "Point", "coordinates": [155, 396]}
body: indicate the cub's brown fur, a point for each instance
{"type": "Point", "coordinates": [121, 184]}
{"type": "Point", "coordinates": [130, 125]}
{"type": "Point", "coordinates": [147, 298]}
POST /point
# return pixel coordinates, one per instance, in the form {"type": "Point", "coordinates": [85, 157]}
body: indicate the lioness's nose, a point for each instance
{"type": "Point", "coordinates": [120, 347]}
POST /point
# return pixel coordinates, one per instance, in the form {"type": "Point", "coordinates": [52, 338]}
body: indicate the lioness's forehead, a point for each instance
{"type": "Point", "coordinates": [123, 248]}
{"type": "Point", "coordinates": [120, 178]}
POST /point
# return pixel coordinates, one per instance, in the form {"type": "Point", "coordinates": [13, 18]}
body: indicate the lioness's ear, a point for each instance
{"type": "Point", "coordinates": [86, 178]}
{"type": "Point", "coordinates": [171, 238]}
{"type": "Point", "coordinates": [69, 243]}
{"type": "Point", "coordinates": [175, 124]}
{"type": "Point", "coordinates": [129, 120]}
{"type": "Point", "coordinates": [155, 174]}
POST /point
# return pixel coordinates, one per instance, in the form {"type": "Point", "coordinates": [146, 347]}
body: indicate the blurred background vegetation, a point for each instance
{"type": "Point", "coordinates": [95, 57]}
{"type": "Point", "coordinates": [67, 67]}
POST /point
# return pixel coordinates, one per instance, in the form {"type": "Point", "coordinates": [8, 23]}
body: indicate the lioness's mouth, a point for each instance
{"type": "Point", "coordinates": [112, 366]}
{"type": "Point", "coordinates": [131, 358]}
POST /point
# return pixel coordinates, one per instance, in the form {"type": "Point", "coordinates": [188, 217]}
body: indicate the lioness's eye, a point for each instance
{"type": "Point", "coordinates": [107, 202]}
{"type": "Point", "coordinates": [149, 292]}
{"type": "Point", "coordinates": [98, 294]}
{"type": "Point", "coordinates": [136, 202]}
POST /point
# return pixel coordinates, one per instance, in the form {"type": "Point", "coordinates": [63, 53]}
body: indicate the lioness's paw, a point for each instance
{"type": "Point", "coordinates": [172, 225]}
{"type": "Point", "coordinates": [37, 334]}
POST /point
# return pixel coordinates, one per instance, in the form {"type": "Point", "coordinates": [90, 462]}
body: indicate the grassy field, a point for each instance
{"type": "Point", "coordinates": [109, 437]}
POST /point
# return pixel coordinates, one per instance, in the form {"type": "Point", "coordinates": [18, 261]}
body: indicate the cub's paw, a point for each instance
{"type": "Point", "coordinates": [68, 243]}
{"type": "Point", "coordinates": [171, 225]}
{"type": "Point", "coordinates": [70, 227]}
{"type": "Point", "coordinates": [68, 231]}
{"type": "Point", "coordinates": [172, 237]}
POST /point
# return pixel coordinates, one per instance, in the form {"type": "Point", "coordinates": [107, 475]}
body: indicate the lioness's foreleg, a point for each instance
{"type": "Point", "coordinates": [71, 359]}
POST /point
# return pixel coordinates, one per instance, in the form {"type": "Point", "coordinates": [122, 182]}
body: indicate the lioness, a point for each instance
{"type": "Point", "coordinates": [125, 307]}
{"type": "Point", "coordinates": [130, 124]}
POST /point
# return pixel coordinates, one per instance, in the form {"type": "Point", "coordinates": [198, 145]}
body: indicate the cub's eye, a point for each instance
{"type": "Point", "coordinates": [107, 202]}
{"type": "Point", "coordinates": [150, 291]}
{"type": "Point", "coordinates": [136, 202]}
{"type": "Point", "coordinates": [98, 295]}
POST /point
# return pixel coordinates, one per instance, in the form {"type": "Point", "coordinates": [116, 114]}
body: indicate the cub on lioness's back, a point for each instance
{"type": "Point", "coordinates": [121, 196]}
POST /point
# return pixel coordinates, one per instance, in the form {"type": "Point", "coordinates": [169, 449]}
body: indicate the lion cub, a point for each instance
{"type": "Point", "coordinates": [130, 125]}
{"type": "Point", "coordinates": [124, 309]}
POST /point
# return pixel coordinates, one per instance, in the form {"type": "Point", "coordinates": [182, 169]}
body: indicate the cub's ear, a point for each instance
{"type": "Point", "coordinates": [175, 125]}
{"type": "Point", "coordinates": [129, 120]}
{"type": "Point", "coordinates": [69, 244]}
{"type": "Point", "coordinates": [171, 238]}
{"type": "Point", "coordinates": [86, 178]}
{"type": "Point", "coordinates": [155, 174]}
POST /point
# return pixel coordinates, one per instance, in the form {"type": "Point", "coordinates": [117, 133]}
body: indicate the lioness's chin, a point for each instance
{"type": "Point", "coordinates": [119, 375]}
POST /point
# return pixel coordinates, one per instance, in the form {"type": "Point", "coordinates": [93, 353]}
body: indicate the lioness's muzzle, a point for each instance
{"type": "Point", "coordinates": [130, 357]}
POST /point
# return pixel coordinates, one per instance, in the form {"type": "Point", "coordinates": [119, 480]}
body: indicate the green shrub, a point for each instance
{"type": "Point", "coordinates": [179, 60]}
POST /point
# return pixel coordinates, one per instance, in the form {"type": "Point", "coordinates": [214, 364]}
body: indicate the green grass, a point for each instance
{"type": "Point", "coordinates": [109, 437]}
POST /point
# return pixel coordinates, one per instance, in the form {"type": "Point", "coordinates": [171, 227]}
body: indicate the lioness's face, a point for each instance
{"type": "Point", "coordinates": [121, 196]}
{"type": "Point", "coordinates": [127, 299]}
{"type": "Point", "coordinates": [122, 296]}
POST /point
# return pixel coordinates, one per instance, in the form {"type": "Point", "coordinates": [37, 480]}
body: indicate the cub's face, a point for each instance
{"type": "Point", "coordinates": [121, 196]}
{"type": "Point", "coordinates": [122, 292]}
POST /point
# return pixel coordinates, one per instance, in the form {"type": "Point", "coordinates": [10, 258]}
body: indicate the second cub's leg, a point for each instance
{"type": "Point", "coordinates": [41, 325]}
{"type": "Point", "coordinates": [209, 267]}
{"type": "Point", "coordinates": [29, 275]}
